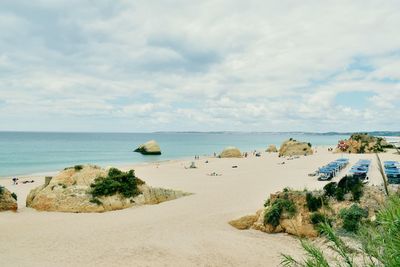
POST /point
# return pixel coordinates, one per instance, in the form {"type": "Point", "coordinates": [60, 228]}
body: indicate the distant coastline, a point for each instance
{"type": "Point", "coordinates": [375, 133]}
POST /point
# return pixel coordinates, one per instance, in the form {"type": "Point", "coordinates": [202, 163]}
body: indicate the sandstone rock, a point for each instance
{"type": "Point", "coordinates": [230, 152]}
{"type": "Point", "coordinates": [70, 191]}
{"type": "Point", "coordinates": [7, 201]}
{"type": "Point", "coordinates": [299, 223]}
{"type": "Point", "coordinates": [245, 222]}
{"type": "Point", "coordinates": [271, 149]}
{"type": "Point", "coordinates": [294, 148]}
{"type": "Point", "coordinates": [362, 143]}
{"type": "Point", "coordinates": [149, 148]}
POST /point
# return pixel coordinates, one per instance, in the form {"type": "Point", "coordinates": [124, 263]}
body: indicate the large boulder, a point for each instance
{"type": "Point", "coordinates": [7, 200]}
{"type": "Point", "coordinates": [362, 143]}
{"type": "Point", "coordinates": [149, 148]}
{"type": "Point", "coordinates": [231, 152]}
{"type": "Point", "coordinates": [271, 149]}
{"type": "Point", "coordinates": [289, 212]}
{"type": "Point", "coordinates": [71, 191]}
{"type": "Point", "coordinates": [298, 224]}
{"type": "Point", "coordinates": [292, 147]}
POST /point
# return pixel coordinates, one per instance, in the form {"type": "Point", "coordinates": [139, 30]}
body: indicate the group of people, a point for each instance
{"type": "Point", "coordinates": [15, 181]}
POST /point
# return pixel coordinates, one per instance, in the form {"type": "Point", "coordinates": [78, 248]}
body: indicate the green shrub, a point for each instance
{"type": "Point", "coordinates": [352, 217]}
{"type": "Point", "coordinates": [313, 203]}
{"type": "Point", "coordinates": [286, 189]}
{"type": "Point", "coordinates": [78, 167]}
{"type": "Point", "coordinates": [330, 189]}
{"type": "Point", "coordinates": [381, 239]}
{"type": "Point", "coordinates": [357, 191]}
{"type": "Point", "coordinates": [14, 196]}
{"type": "Point", "coordinates": [380, 242]}
{"type": "Point", "coordinates": [317, 218]}
{"type": "Point", "coordinates": [1, 190]}
{"type": "Point", "coordinates": [339, 194]}
{"type": "Point", "coordinates": [273, 215]}
{"type": "Point", "coordinates": [349, 184]}
{"type": "Point", "coordinates": [117, 181]}
{"type": "Point", "coordinates": [96, 201]}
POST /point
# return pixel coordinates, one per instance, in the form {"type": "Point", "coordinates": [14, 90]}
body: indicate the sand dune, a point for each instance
{"type": "Point", "coordinates": [191, 231]}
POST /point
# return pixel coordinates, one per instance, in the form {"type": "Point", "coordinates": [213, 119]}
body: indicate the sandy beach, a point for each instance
{"type": "Point", "coordinates": [190, 231]}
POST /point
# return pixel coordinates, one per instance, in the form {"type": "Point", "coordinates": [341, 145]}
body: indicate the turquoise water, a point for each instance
{"type": "Point", "coordinates": [24, 153]}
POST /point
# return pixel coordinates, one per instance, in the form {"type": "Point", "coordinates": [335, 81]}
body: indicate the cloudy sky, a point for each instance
{"type": "Point", "coordinates": [134, 66]}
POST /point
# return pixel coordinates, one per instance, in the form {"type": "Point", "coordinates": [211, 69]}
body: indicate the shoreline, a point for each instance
{"type": "Point", "coordinates": [125, 165]}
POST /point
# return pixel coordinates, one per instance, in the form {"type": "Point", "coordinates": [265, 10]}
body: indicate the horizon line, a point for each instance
{"type": "Point", "coordinates": [205, 132]}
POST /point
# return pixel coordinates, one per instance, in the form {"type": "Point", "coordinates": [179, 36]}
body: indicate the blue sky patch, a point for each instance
{"type": "Point", "coordinates": [353, 99]}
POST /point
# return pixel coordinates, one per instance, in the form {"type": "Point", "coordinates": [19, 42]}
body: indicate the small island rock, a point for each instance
{"type": "Point", "coordinates": [149, 148]}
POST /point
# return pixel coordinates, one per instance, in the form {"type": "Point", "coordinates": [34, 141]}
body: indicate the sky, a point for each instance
{"type": "Point", "coordinates": [142, 66]}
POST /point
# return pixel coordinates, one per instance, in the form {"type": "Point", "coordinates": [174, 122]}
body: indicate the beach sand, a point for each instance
{"type": "Point", "coordinates": [190, 231]}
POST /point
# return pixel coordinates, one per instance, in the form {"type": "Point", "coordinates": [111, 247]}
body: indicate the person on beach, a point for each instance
{"type": "Point", "coordinates": [15, 179]}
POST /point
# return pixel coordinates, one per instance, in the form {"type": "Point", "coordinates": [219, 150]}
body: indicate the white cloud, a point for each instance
{"type": "Point", "coordinates": [212, 65]}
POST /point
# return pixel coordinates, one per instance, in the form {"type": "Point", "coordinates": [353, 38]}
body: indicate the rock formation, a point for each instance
{"type": "Point", "coordinates": [289, 212]}
{"type": "Point", "coordinates": [271, 149]}
{"type": "Point", "coordinates": [230, 152]}
{"type": "Point", "coordinates": [294, 148]}
{"type": "Point", "coordinates": [149, 148]}
{"type": "Point", "coordinates": [72, 191]}
{"type": "Point", "coordinates": [245, 222]}
{"type": "Point", "coordinates": [7, 200]}
{"type": "Point", "coordinates": [362, 143]}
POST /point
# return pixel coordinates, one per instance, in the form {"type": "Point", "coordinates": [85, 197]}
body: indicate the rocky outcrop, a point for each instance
{"type": "Point", "coordinates": [362, 143]}
{"type": "Point", "coordinates": [292, 147]}
{"type": "Point", "coordinates": [289, 212]}
{"type": "Point", "coordinates": [271, 149]}
{"type": "Point", "coordinates": [230, 152]}
{"type": "Point", "coordinates": [149, 148]}
{"type": "Point", "coordinates": [245, 222]}
{"type": "Point", "coordinates": [71, 191]}
{"type": "Point", "coordinates": [298, 224]}
{"type": "Point", "coordinates": [7, 200]}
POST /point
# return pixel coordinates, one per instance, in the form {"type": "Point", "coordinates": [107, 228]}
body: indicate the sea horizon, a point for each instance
{"type": "Point", "coordinates": [374, 132]}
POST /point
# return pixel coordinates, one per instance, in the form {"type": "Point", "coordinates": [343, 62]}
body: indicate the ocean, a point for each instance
{"type": "Point", "coordinates": [32, 152]}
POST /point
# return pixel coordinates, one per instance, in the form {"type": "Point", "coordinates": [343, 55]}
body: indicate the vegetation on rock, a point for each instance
{"type": "Point", "coordinates": [117, 181]}
{"type": "Point", "coordinates": [280, 205]}
{"type": "Point", "coordinates": [379, 242]}
{"type": "Point", "coordinates": [313, 203]}
{"type": "Point", "coordinates": [347, 184]}
{"type": "Point", "coordinates": [363, 143]}
{"type": "Point", "coordinates": [352, 217]}
{"type": "Point", "coordinates": [318, 217]}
